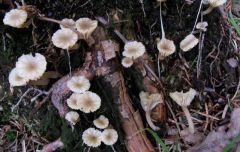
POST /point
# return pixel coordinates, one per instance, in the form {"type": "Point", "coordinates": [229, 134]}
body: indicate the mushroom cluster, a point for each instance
{"type": "Point", "coordinates": [132, 51]}
{"type": "Point", "coordinates": [28, 67]}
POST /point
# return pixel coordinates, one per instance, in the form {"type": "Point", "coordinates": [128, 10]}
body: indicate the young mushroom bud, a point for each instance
{"type": "Point", "coordinates": [184, 100]}
{"type": "Point", "coordinates": [85, 26]}
{"type": "Point", "coordinates": [188, 42]}
{"type": "Point", "coordinates": [133, 49]}
{"type": "Point", "coordinates": [15, 18]}
{"type": "Point", "coordinates": [149, 102]}
{"type": "Point", "coordinates": [212, 4]}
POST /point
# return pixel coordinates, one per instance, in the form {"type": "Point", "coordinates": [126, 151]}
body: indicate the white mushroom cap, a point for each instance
{"type": "Point", "coordinates": [78, 84]}
{"type": "Point", "coordinates": [183, 99]}
{"type": "Point", "coordinates": [216, 3]}
{"type": "Point", "coordinates": [202, 26]}
{"type": "Point", "coordinates": [31, 67]}
{"type": "Point", "coordinates": [102, 122]}
{"type": "Point", "coordinates": [16, 80]}
{"type": "Point", "coordinates": [64, 38]}
{"type": "Point", "coordinates": [133, 49]}
{"type": "Point", "coordinates": [188, 42]}
{"type": "Point", "coordinates": [89, 102]}
{"type": "Point", "coordinates": [127, 62]}
{"type": "Point", "coordinates": [72, 117]}
{"type": "Point", "coordinates": [149, 101]}
{"type": "Point", "coordinates": [15, 18]}
{"type": "Point", "coordinates": [166, 47]}
{"type": "Point", "coordinates": [73, 100]}
{"type": "Point", "coordinates": [70, 22]}
{"type": "Point", "coordinates": [109, 136]}
{"type": "Point", "coordinates": [86, 26]}
{"type": "Point", "coordinates": [92, 137]}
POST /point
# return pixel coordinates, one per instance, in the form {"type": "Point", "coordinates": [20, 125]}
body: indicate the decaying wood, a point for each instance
{"type": "Point", "coordinates": [102, 62]}
{"type": "Point", "coordinates": [53, 146]}
{"type": "Point", "coordinates": [217, 140]}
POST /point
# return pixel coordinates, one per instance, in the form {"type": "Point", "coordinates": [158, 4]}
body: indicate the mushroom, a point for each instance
{"type": "Point", "coordinates": [69, 22]}
{"type": "Point", "coordinates": [109, 136]}
{"type": "Point", "coordinates": [102, 122]}
{"type": "Point", "coordinates": [149, 102]}
{"type": "Point", "coordinates": [15, 18]}
{"type": "Point", "coordinates": [85, 26]}
{"type": "Point", "coordinates": [16, 80]}
{"type": "Point", "coordinates": [88, 102]}
{"type": "Point", "coordinates": [31, 67]}
{"type": "Point", "coordinates": [212, 4]}
{"type": "Point", "coordinates": [202, 26]}
{"type": "Point", "coordinates": [184, 100]}
{"type": "Point", "coordinates": [73, 100]}
{"type": "Point", "coordinates": [92, 137]}
{"type": "Point", "coordinates": [64, 38]}
{"type": "Point", "coordinates": [133, 49]}
{"type": "Point", "coordinates": [78, 84]}
{"type": "Point", "coordinates": [127, 62]}
{"type": "Point", "coordinates": [189, 42]}
{"type": "Point", "coordinates": [165, 47]}
{"type": "Point", "coordinates": [72, 117]}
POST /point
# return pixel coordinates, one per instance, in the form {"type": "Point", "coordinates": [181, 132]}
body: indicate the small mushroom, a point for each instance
{"type": "Point", "coordinates": [165, 47]}
{"type": "Point", "coordinates": [127, 62]}
{"type": "Point", "coordinates": [69, 22]}
{"type": "Point", "coordinates": [102, 122]}
{"type": "Point", "coordinates": [202, 26]}
{"type": "Point", "coordinates": [133, 49]}
{"type": "Point", "coordinates": [85, 26]}
{"type": "Point", "coordinates": [149, 102]}
{"type": "Point", "coordinates": [15, 18]}
{"type": "Point", "coordinates": [212, 4]}
{"type": "Point", "coordinates": [78, 84]}
{"type": "Point", "coordinates": [72, 117]}
{"type": "Point", "coordinates": [73, 100]}
{"type": "Point", "coordinates": [184, 100]}
{"type": "Point", "coordinates": [189, 42]}
{"type": "Point", "coordinates": [109, 136]}
{"type": "Point", "coordinates": [16, 80]}
{"type": "Point", "coordinates": [92, 137]}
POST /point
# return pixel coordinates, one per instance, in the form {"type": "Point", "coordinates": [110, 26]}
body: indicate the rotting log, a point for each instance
{"type": "Point", "coordinates": [101, 61]}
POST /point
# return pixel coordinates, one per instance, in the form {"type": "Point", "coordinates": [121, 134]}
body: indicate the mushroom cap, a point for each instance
{"type": "Point", "coordinates": [70, 22]}
{"type": "Point", "coordinates": [64, 38]}
{"type": "Point", "coordinates": [72, 117]}
{"type": "Point", "coordinates": [102, 122]}
{"type": "Point", "coordinates": [15, 18]}
{"type": "Point", "coordinates": [92, 137]}
{"type": "Point", "coordinates": [86, 26]}
{"type": "Point", "coordinates": [78, 84]}
{"type": "Point", "coordinates": [16, 80]}
{"type": "Point", "coordinates": [150, 101]}
{"type": "Point", "coordinates": [183, 99]}
{"type": "Point", "coordinates": [73, 100]}
{"type": "Point", "coordinates": [133, 49]}
{"type": "Point", "coordinates": [31, 67]}
{"type": "Point", "coordinates": [88, 102]}
{"type": "Point", "coordinates": [109, 136]}
{"type": "Point", "coordinates": [202, 26]}
{"type": "Point", "coordinates": [216, 3]}
{"type": "Point", "coordinates": [127, 62]}
{"type": "Point", "coordinates": [166, 47]}
{"type": "Point", "coordinates": [188, 42]}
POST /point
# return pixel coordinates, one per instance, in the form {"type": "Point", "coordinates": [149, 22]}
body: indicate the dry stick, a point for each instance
{"type": "Point", "coordinates": [142, 5]}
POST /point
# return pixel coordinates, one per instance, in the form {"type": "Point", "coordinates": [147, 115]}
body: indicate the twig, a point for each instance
{"type": "Point", "coordinates": [236, 92]}
{"type": "Point", "coordinates": [142, 5]}
{"type": "Point", "coordinates": [85, 3]}
{"type": "Point", "coordinates": [203, 114]}
{"type": "Point", "coordinates": [199, 10]}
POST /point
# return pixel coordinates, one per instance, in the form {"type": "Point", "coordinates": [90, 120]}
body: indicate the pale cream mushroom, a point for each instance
{"type": "Point", "coordinates": [133, 49]}
{"type": "Point", "coordinates": [165, 47]}
{"type": "Point", "coordinates": [202, 26]}
{"type": "Point", "coordinates": [78, 84]}
{"type": "Point", "coordinates": [89, 102]}
{"type": "Point", "coordinates": [31, 67]}
{"type": "Point", "coordinates": [73, 100]}
{"type": "Point", "coordinates": [92, 137]}
{"type": "Point", "coordinates": [149, 102]}
{"type": "Point", "coordinates": [184, 100]}
{"type": "Point", "coordinates": [69, 22]}
{"type": "Point", "coordinates": [127, 62]}
{"type": "Point", "coordinates": [189, 42]}
{"type": "Point", "coordinates": [15, 18]}
{"type": "Point", "coordinates": [86, 26]}
{"type": "Point", "coordinates": [72, 117]}
{"type": "Point", "coordinates": [16, 80]}
{"type": "Point", "coordinates": [213, 4]}
{"type": "Point", "coordinates": [109, 136]}
{"type": "Point", "coordinates": [102, 122]}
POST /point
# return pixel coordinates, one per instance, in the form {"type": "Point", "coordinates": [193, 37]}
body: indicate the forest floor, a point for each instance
{"type": "Point", "coordinates": [212, 70]}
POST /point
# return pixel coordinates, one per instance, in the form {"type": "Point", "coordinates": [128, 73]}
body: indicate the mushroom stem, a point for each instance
{"type": "Point", "coordinates": [207, 11]}
{"type": "Point", "coordinates": [69, 63]}
{"type": "Point", "coordinates": [189, 119]}
{"type": "Point", "coordinates": [162, 29]}
{"type": "Point", "coordinates": [197, 16]}
{"type": "Point", "coordinates": [149, 120]}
